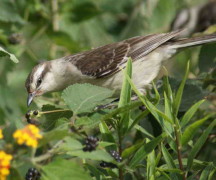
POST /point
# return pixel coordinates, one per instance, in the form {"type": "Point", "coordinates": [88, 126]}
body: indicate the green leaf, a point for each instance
{"type": "Point", "coordinates": [84, 11]}
{"type": "Point", "coordinates": [63, 39]}
{"type": "Point", "coordinates": [82, 98]}
{"type": "Point", "coordinates": [73, 147]}
{"type": "Point", "coordinates": [151, 165]}
{"type": "Point", "coordinates": [189, 114]}
{"type": "Point", "coordinates": [206, 172]}
{"type": "Point", "coordinates": [52, 118]}
{"type": "Point", "coordinates": [65, 169]}
{"type": "Point", "coordinates": [56, 134]}
{"type": "Point", "coordinates": [125, 98]}
{"type": "Point", "coordinates": [169, 161]}
{"type": "Point", "coordinates": [106, 134]}
{"type": "Point", "coordinates": [191, 130]}
{"type": "Point", "coordinates": [144, 151]}
{"type": "Point", "coordinates": [132, 149]}
{"type": "Point", "coordinates": [207, 58]}
{"type": "Point", "coordinates": [199, 143]}
{"type": "Point", "coordinates": [4, 53]}
{"type": "Point", "coordinates": [178, 97]}
{"type": "Point", "coordinates": [8, 13]}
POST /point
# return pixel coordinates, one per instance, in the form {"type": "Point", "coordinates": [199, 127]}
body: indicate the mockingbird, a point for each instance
{"type": "Point", "coordinates": [102, 66]}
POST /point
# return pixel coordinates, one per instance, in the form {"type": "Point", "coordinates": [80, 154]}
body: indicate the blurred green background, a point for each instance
{"type": "Point", "coordinates": [36, 30]}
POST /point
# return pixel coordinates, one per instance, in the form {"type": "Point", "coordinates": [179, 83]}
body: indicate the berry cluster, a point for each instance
{"type": "Point", "coordinates": [90, 143]}
{"type": "Point", "coordinates": [28, 116]}
{"type": "Point", "coordinates": [32, 174]}
{"type": "Point", "coordinates": [116, 156]}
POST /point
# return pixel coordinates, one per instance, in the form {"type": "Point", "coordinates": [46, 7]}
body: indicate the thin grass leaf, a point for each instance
{"type": "Point", "coordinates": [191, 130]}
{"type": "Point", "coordinates": [137, 119]}
{"type": "Point", "coordinates": [178, 97]}
{"type": "Point", "coordinates": [169, 161]}
{"type": "Point", "coordinates": [166, 86]}
{"type": "Point", "coordinates": [189, 114]}
{"type": "Point", "coordinates": [144, 151]}
{"type": "Point", "coordinates": [159, 116]}
{"type": "Point", "coordinates": [206, 172]}
{"type": "Point", "coordinates": [151, 165]}
{"type": "Point", "coordinates": [199, 144]}
{"type": "Point", "coordinates": [168, 110]}
{"type": "Point", "coordinates": [132, 149]}
{"type": "Point", "coordinates": [211, 174]}
{"type": "Point", "coordinates": [125, 98]}
{"type": "Point", "coordinates": [106, 134]}
{"type": "Point", "coordinates": [127, 107]}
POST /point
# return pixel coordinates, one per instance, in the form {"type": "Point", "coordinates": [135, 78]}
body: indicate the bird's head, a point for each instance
{"type": "Point", "coordinates": [39, 81]}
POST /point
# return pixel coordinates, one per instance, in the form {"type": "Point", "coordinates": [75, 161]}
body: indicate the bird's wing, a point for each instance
{"type": "Point", "coordinates": [108, 59]}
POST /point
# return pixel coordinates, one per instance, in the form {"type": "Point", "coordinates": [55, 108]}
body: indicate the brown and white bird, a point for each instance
{"type": "Point", "coordinates": [195, 19]}
{"type": "Point", "coordinates": [102, 66]}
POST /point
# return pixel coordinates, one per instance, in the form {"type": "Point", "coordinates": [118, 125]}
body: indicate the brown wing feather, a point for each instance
{"type": "Point", "coordinates": [106, 60]}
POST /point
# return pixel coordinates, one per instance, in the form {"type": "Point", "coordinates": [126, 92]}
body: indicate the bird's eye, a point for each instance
{"type": "Point", "coordinates": [39, 81]}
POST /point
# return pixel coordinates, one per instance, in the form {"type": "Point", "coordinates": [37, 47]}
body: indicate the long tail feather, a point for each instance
{"type": "Point", "coordinates": [194, 41]}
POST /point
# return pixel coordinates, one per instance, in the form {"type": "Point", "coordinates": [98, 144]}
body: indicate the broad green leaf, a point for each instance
{"type": "Point", "coordinates": [178, 97]}
{"type": "Point", "coordinates": [51, 119]}
{"type": "Point", "coordinates": [94, 170]}
{"type": "Point", "coordinates": [143, 151]}
{"type": "Point", "coordinates": [199, 143]}
{"type": "Point", "coordinates": [8, 13]}
{"type": "Point", "coordinates": [73, 147]}
{"type": "Point", "coordinates": [64, 169]}
{"type": "Point", "coordinates": [191, 130]}
{"type": "Point", "coordinates": [55, 134]}
{"type": "Point", "coordinates": [169, 161]}
{"type": "Point", "coordinates": [84, 11]}
{"type": "Point", "coordinates": [207, 58]}
{"type": "Point", "coordinates": [125, 98]}
{"type": "Point", "coordinates": [4, 53]}
{"type": "Point", "coordinates": [82, 98]}
{"type": "Point", "coordinates": [189, 114]}
{"type": "Point", "coordinates": [98, 155]}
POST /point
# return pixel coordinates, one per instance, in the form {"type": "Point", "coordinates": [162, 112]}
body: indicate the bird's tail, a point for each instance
{"type": "Point", "coordinates": [194, 41]}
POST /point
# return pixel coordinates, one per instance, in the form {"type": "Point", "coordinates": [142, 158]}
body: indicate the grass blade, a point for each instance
{"type": "Point", "coordinates": [199, 144]}
{"type": "Point", "coordinates": [125, 98]}
{"type": "Point", "coordinates": [189, 114]}
{"type": "Point", "coordinates": [178, 97]}
{"type": "Point", "coordinates": [191, 130]}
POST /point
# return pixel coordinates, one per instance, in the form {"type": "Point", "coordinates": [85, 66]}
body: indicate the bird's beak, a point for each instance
{"type": "Point", "coordinates": [30, 98]}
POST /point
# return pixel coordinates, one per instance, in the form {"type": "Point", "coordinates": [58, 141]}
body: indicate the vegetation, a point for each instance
{"type": "Point", "coordinates": [167, 134]}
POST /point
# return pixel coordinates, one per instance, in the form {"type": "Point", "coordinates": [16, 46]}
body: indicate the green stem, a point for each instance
{"type": "Point", "coordinates": [178, 147]}
{"type": "Point", "coordinates": [54, 111]}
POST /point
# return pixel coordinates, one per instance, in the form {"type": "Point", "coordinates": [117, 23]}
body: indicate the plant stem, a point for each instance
{"type": "Point", "coordinates": [178, 147]}
{"type": "Point", "coordinates": [121, 177]}
{"type": "Point", "coordinates": [54, 111]}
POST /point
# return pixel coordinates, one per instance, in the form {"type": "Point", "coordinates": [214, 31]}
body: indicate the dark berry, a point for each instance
{"type": "Point", "coordinates": [35, 112]}
{"type": "Point", "coordinates": [142, 108]}
{"type": "Point", "coordinates": [116, 156]}
{"type": "Point", "coordinates": [32, 174]}
{"type": "Point", "coordinates": [90, 143]}
{"type": "Point", "coordinates": [15, 38]}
